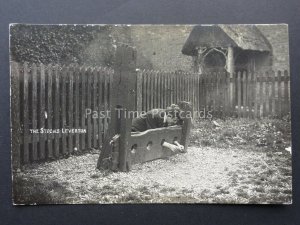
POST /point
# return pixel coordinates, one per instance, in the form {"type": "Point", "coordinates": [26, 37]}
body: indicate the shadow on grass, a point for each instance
{"type": "Point", "coordinates": [31, 191]}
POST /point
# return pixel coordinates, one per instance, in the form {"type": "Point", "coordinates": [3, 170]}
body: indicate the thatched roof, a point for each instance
{"type": "Point", "coordinates": [246, 37]}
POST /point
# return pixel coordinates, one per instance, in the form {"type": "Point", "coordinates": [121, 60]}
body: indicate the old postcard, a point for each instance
{"type": "Point", "coordinates": [105, 114]}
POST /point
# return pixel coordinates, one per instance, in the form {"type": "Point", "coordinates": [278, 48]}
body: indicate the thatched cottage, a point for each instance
{"type": "Point", "coordinates": [232, 47]}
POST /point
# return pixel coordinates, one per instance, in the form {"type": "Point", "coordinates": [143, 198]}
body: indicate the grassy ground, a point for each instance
{"type": "Point", "coordinates": [231, 161]}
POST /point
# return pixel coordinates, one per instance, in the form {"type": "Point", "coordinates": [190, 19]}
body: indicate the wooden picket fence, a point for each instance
{"type": "Point", "coordinates": [244, 94]}
{"type": "Point", "coordinates": [56, 97]}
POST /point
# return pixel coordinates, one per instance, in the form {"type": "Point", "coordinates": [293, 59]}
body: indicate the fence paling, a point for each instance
{"type": "Point", "coordinates": [105, 101]}
{"type": "Point", "coordinates": [100, 108]}
{"type": "Point", "coordinates": [148, 91]}
{"type": "Point", "coordinates": [251, 95]}
{"type": "Point", "coordinates": [94, 108]}
{"type": "Point", "coordinates": [176, 88]}
{"type": "Point", "coordinates": [269, 89]}
{"type": "Point", "coordinates": [49, 112]}
{"type": "Point", "coordinates": [63, 107]}
{"type": "Point", "coordinates": [266, 95]}
{"type": "Point", "coordinates": [286, 92]}
{"type": "Point", "coordinates": [214, 92]}
{"type": "Point", "coordinates": [139, 89]}
{"type": "Point", "coordinates": [88, 106]}
{"type": "Point", "coordinates": [161, 91]}
{"type": "Point", "coordinates": [70, 108]}
{"type": "Point", "coordinates": [42, 111]}
{"type": "Point", "coordinates": [15, 114]}
{"type": "Point", "coordinates": [34, 112]}
{"type": "Point", "coordinates": [56, 108]}
{"type": "Point", "coordinates": [244, 87]}
{"type": "Point", "coordinates": [151, 91]}
{"type": "Point", "coordinates": [273, 94]}
{"type": "Point", "coordinates": [26, 134]}
{"type": "Point", "coordinates": [76, 107]}
{"type": "Point", "coordinates": [216, 96]}
{"type": "Point", "coordinates": [226, 98]}
{"type": "Point", "coordinates": [154, 90]}
{"type": "Point", "coordinates": [83, 102]}
{"type": "Point", "coordinates": [206, 92]}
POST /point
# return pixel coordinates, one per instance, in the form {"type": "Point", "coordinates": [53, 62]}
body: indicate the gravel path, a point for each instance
{"type": "Point", "coordinates": [200, 175]}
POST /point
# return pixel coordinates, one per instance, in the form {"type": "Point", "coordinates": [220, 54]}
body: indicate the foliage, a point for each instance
{"type": "Point", "coordinates": [62, 44]}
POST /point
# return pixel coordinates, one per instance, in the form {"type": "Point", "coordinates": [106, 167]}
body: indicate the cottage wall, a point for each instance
{"type": "Point", "coordinates": [277, 35]}
{"type": "Point", "coordinates": [159, 48]}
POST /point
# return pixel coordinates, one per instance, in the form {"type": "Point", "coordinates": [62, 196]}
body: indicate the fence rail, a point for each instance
{"type": "Point", "coordinates": [56, 97]}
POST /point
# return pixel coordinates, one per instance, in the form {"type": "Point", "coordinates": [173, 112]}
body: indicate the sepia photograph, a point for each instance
{"type": "Point", "coordinates": [109, 114]}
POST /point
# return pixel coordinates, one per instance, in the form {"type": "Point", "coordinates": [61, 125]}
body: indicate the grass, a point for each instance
{"type": "Point", "coordinates": [38, 191]}
{"type": "Point", "coordinates": [273, 134]}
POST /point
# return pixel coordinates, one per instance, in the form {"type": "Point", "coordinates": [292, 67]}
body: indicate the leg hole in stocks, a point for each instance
{"type": "Point", "coordinates": [133, 148]}
{"type": "Point", "coordinates": [149, 145]}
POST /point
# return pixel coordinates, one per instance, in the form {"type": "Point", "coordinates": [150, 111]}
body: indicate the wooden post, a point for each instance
{"type": "Point", "coordinates": [187, 109]}
{"type": "Point", "coordinates": [124, 90]}
{"type": "Point", "coordinates": [196, 63]}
